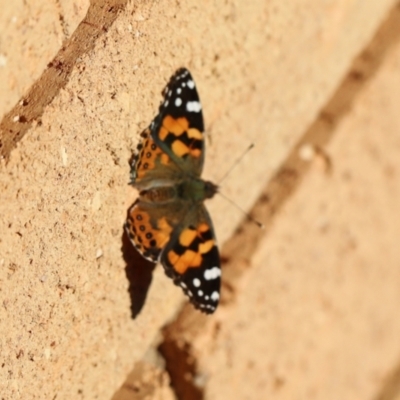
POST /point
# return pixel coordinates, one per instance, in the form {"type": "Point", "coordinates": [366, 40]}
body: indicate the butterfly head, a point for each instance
{"type": "Point", "coordinates": [210, 189]}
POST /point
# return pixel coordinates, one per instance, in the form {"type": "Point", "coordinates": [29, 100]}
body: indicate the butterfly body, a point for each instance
{"type": "Point", "coordinates": [190, 190]}
{"type": "Point", "coordinates": [169, 222]}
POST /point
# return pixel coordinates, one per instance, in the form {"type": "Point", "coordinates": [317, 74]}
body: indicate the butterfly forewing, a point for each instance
{"type": "Point", "coordinates": [191, 258]}
{"type": "Point", "coordinates": [178, 128]}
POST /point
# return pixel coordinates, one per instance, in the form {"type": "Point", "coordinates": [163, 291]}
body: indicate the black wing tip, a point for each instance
{"type": "Point", "coordinates": [204, 309]}
{"type": "Point", "coordinates": [181, 72]}
{"type": "Point", "coordinates": [178, 74]}
{"type": "Point", "coordinates": [207, 307]}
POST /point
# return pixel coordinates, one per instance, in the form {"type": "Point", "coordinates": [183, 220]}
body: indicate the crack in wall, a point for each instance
{"type": "Point", "coordinates": [29, 109]}
{"type": "Point", "coordinates": [180, 337]}
{"type": "Point", "coordinates": [180, 358]}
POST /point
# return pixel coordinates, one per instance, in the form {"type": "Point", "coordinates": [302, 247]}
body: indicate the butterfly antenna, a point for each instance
{"type": "Point", "coordinates": [249, 217]}
{"type": "Point", "coordinates": [234, 165]}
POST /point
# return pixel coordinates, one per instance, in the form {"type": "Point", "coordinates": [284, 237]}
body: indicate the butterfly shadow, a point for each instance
{"type": "Point", "coordinates": [139, 273]}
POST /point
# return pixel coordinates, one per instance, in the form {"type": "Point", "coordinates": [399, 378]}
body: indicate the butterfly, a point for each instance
{"type": "Point", "coordinates": [169, 223]}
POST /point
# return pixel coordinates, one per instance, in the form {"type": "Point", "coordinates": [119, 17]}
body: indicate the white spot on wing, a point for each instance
{"type": "Point", "coordinates": [166, 103]}
{"type": "Point", "coordinates": [196, 282]}
{"type": "Point", "coordinates": [193, 106]}
{"type": "Point", "coordinates": [190, 84]}
{"type": "Point", "coordinates": [178, 101]}
{"type": "Point", "coordinates": [179, 90]}
{"type": "Point", "coordinates": [212, 273]}
{"type": "Point", "coordinates": [200, 293]}
{"type": "Point", "coordinates": [214, 296]}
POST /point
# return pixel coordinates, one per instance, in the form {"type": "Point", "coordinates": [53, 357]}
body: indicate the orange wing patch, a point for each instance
{"type": "Point", "coordinates": [180, 148]}
{"type": "Point", "coordinates": [189, 259]}
{"type": "Point", "coordinates": [178, 127]}
{"type": "Point", "coordinates": [174, 126]}
{"type": "Point", "coordinates": [148, 156]}
{"type": "Point", "coordinates": [194, 243]}
{"type": "Point", "coordinates": [148, 239]}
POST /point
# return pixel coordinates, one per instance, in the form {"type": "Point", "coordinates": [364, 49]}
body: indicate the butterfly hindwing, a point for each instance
{"type": "Point", "coordinates": [148, 235]}
{"type": "Point", "coordinates": [150, 225]}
